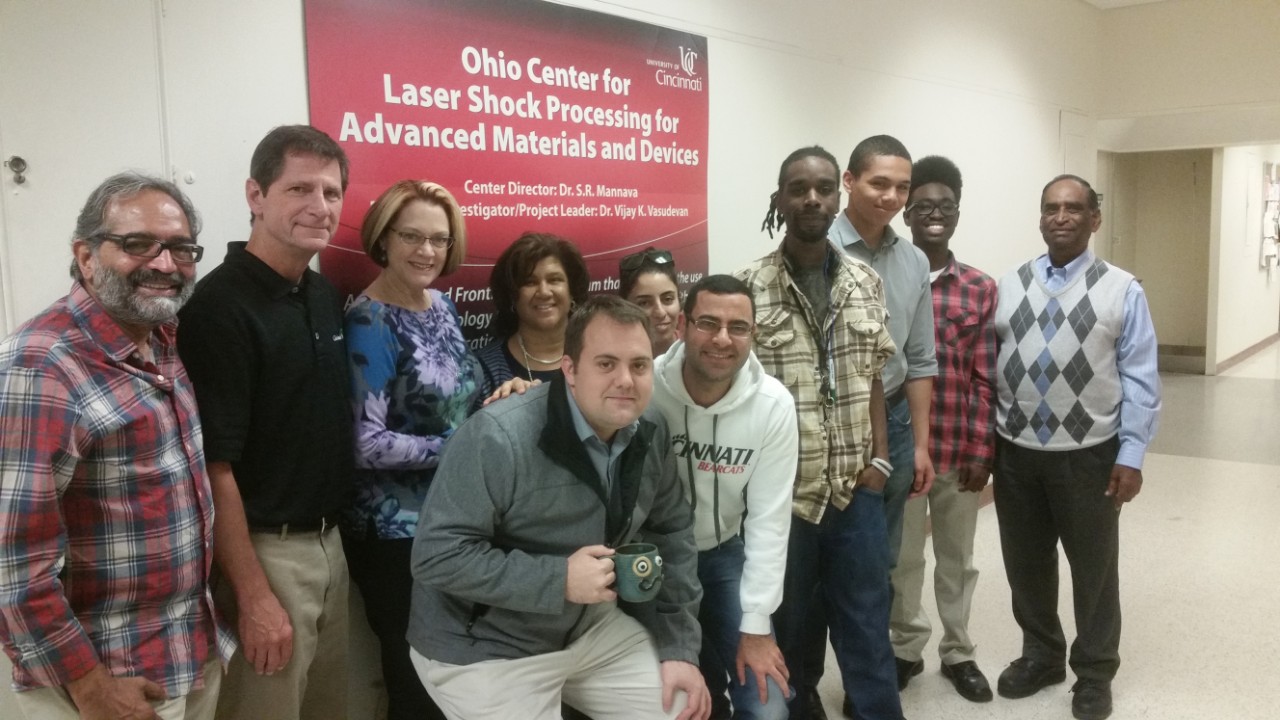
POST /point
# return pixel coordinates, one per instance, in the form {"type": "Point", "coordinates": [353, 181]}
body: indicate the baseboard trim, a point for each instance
{"type": "Point", "coordinates": [1247, 353]}
{"type": "Point", "coordinates": [1181, 350]}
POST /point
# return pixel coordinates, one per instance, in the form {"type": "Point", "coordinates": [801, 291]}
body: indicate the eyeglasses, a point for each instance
{"type": "Point", "coordinates": [182, 250]}
{"type": "Point", "coordinates": [415, 239]}
{"type": "Point", "coordinates": [712, 327]}
{"type": "Point", "coordinates": [925, 208]}
{"type": "Point", "coordinates": [635, 261]}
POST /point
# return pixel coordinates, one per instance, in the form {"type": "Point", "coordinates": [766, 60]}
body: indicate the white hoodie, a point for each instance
{"type": "Point", "coordinates": [739, 457]}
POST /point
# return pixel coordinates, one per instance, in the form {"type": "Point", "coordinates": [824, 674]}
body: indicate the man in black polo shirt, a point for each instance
{"type": "Point", "coordinates": [262, 342]}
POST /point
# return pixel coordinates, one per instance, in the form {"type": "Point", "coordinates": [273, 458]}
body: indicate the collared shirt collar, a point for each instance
{"type": "Point", "coordinates": [832, 262]}
{"type": "Point", "coordinates": [98, 325]}
{"type": "Point", "coordinates": [846, 235]}
{"type": "Point", "coordinates": [1060, 277]}
{"type": "Point", "coordinates": [951, 268]}
{"type": "Point", "coordinates": [275, 285]}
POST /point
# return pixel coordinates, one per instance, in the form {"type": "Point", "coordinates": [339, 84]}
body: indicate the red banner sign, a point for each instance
{"type": "Point", "coordinates": [536, 116]}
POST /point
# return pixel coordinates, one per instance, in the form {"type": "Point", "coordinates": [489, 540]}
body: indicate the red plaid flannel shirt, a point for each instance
{"type": "Point", "coordinates": [964, 410]}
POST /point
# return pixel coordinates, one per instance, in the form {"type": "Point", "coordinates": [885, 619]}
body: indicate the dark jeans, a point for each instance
{"type": "Point", "coordinates": [902, 448]}
{"type": "Point", "coordinates": [720, 614]}
{"type": "Point", "coordinates": [1042, 497]}
{"type": "Point", "coordinates": [848, 554]}
{"type": "Point", "coordinates": [380, 568]}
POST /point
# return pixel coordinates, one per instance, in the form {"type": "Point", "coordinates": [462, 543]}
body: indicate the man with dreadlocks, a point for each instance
{"type": "Point", "coordinates": [822, 330]}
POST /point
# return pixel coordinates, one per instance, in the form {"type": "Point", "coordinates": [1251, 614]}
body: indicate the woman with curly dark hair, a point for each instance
{"type": "Point", "coordinates": [536, 283]}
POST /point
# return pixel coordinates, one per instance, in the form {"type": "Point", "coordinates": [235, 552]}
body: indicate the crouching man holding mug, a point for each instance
{"type": "Point", "coordinates": [515, 606]}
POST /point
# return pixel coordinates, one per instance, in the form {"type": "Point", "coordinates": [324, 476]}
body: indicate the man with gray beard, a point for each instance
{"type": "Point", "coordinates": [106, 517]}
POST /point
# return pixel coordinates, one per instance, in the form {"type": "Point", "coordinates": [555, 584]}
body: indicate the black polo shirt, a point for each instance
{"type": "Point", "coordinates": [269, 364]}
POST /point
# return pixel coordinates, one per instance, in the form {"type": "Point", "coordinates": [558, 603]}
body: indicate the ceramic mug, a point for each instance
{"type": "Point", "coordinates": [638, 567]}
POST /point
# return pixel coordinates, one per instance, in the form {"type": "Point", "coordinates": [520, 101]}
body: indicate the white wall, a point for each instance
{"type": "Point", "coordinates": [976, 81]}
{"type": "Point", "coordinates": [1189, 73]}
{"type": "Point", "coordinates": [980, 83]}
{"type": "Point", "coordinates": [56, 97]}
{"type": "Point", "coordinates": [1247, 306]}
{"type": "Point", "coordinates": [1199, 74]}
{"type": "Point", "coordinates": [200, 85]}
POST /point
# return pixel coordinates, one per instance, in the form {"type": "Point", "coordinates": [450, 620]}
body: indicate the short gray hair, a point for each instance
{"type": "Point", "coordinates": [92, 220]}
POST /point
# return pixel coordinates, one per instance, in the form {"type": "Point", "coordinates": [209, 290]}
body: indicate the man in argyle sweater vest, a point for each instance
{"type": "Point", "coordinates": [1077, 403]}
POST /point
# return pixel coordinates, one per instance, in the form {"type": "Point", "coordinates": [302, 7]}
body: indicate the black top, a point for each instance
{"type": "Point", "coordinates": [269, 364]}
{"type": "Point", "coordinates": [498, 365]}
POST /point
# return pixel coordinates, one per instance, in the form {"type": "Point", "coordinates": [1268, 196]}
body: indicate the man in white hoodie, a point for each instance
{"type": "Point", "coordinates": [733, 431]}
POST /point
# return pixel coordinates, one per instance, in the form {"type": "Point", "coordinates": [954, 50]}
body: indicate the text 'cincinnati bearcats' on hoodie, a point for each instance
{"type": "Point", "coordinates": [737, 463]}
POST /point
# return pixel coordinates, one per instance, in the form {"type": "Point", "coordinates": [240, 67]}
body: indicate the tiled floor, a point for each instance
{"type": "Point", "coordinates": [1198, 571]}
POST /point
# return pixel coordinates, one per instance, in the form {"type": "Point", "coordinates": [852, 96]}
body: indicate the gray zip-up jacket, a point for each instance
{"type": "Point", "coordinates": [515, 495]}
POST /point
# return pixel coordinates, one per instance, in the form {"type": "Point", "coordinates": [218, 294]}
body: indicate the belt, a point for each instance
{"type": "Point", "coordinates": [321, 526]}
{"type": "Point", "coordinates": [895, 397]}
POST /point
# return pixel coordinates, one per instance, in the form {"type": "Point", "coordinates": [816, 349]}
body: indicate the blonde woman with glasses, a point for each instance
{"type": "Point", "coordinates": [413, 382]}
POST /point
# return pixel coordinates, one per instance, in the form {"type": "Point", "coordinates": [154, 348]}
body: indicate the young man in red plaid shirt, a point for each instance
{"type": "Point", "coordinates": [962, 436]}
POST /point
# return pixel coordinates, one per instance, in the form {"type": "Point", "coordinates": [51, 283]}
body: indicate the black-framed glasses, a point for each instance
{"type": "Point", "coordinates": [924, 208]}
{"type": "Point", "coordinates": [635, 261]}
{"type": "Point", "coordinates": [182, 250]}
{"type": "Point", "coordinates": [416, 239]}
{"type": "Point", "coordinates": [710, 326]}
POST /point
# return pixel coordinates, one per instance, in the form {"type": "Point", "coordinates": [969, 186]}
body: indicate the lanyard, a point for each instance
{"type": "Point", "coordinates": [828, 387]}
{"type": "Point", "coordinates": [825, 341]}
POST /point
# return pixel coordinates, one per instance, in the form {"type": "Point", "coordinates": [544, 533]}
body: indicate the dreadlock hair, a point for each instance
{"type": "Point", "coordinates": [773, 219]}
{"type": "Point", "coordinates": [936, 169]}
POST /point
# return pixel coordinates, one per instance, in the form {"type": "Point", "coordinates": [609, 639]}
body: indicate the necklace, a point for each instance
{"type": "Point", "coordinates": [529, 359]}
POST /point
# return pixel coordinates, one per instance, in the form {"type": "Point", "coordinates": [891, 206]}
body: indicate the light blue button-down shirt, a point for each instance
{"type": "Point", "coordinates": [604, 457]}
{"type": "Point", "coordinates": [908, 295]}
{"type": "Point", "coordinates": [1135, 360]}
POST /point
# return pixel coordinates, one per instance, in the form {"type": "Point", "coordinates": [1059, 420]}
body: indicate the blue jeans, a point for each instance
{"type": "Point", "coordinates": [720, 572]}
{"type": "Point", "coordinates": [902, 456]}
{"type": "Point", "coordinates": [848, 554]}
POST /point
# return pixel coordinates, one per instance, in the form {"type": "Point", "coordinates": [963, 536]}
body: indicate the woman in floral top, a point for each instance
{"type": "Point", "coordinates": [414, 380]}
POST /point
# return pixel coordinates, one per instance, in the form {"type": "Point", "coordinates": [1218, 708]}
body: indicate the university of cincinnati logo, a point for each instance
{"type": "Point", "coordinates": [688, 64]}
{"type": "Point", "coordinates": [687, 58]}
{"type": "Point", "coordinates": [713, 458]}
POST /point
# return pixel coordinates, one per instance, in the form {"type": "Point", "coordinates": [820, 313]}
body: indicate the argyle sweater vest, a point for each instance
{"type": "Point", "coordinates": [1059, 388]}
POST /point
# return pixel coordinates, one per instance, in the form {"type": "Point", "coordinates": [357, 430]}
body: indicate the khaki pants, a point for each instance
{"type": "Point", "coordinates": [954, 515]}
{"type": "Point", "coordinates": [53, 703]}
{"type": "Point", "coordinates": [308, 574]}
{"type": "Point", "coordinates": [611, 672]}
